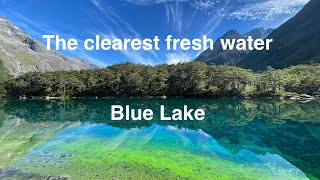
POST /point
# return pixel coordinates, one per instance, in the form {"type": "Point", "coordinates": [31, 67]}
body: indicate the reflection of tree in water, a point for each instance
{"type": "Point", "coordinates": [288, 128]}
{"type": "Point", "coordinates": [219, 113]}
{"type": "Point", "coordinates": [17, 137]}
{"type": "Point", "coordinates": [295, 141]}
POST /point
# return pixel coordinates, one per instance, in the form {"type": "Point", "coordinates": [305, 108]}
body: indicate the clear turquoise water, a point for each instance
{"type": "Point", "coordinates": [239, 139]}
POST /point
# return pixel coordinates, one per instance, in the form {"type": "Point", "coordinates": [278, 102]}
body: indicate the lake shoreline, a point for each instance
{"type": "Point", "coordinates": [285, 97]}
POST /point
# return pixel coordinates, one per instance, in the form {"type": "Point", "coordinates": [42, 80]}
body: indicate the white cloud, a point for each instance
{"type": "Point", "coordinates": [268, 9]}
{"type": "Point", "coordinates": [175, 58]}
{"type": "Point", "coordinates": [138, 57]}
{"type": "Point", "coordinates": [205, 4]}
{"type": "Point", "coordinates": [174, 15]}
{"type": "Point", "coordinates": [151, 2]}
{"type": "Point", "coordinates": [239, 9]}
{"type": "Point", "coordinates": [123, 30]}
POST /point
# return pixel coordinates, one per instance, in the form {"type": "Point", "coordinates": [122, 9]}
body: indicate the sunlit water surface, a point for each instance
{"type": "Point", "coordinates": [239, 139]}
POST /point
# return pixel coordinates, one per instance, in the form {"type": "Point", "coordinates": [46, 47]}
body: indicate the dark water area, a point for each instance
{"type": "Point", "coordinates": [238, 139]}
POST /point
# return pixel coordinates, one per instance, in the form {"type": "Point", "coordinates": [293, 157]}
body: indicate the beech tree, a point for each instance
{"type": "Point", "coordinates": [192, 79]}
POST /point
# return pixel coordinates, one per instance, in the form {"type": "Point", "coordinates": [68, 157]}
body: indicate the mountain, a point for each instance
{"type": "Point", "coordinates": [258, 33]}
{"type": "Point", "coordinates": [297, 41]}
{"type": "Point", "coordinates": [218, 56]}
{"type": "Point", "coordinates": [20, 53]}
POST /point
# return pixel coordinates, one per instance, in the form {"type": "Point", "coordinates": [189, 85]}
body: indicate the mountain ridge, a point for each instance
{"type": "Point", "coordinates": [295, 42]}
{"type": "Point", "coordinates": [218, 56]}
{"type": "Point", "coordinates": [20, 53]}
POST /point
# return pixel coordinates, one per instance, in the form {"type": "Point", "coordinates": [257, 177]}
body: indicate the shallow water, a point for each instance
{"type": "Point", "coordinates": [239, 139]}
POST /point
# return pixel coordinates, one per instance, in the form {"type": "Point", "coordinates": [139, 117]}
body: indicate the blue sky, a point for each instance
{"type": "Point", "coordinates": [82, 19]}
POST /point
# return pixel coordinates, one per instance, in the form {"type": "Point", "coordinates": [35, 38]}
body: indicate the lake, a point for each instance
{"type": "Point", "coordinates": [238, 139]}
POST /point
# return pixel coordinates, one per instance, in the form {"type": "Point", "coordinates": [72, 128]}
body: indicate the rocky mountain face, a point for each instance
{"type": "Point", "coordinates": [258, 33]}
{"type": "Point", "coordinates": [297, 41]}
{"type": "Point", "coordinates": [20, 53]}
{"type": "Point", "coordinates": [220, 57]}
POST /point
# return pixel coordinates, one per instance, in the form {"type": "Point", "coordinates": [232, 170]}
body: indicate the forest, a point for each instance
{"type": "Point", "coordinates": [192, 79]}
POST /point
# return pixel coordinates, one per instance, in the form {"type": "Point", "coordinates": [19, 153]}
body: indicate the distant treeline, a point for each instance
{"type": "Point", "coordinates": [193, 79]}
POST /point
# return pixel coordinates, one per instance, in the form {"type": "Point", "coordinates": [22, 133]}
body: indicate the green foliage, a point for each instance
{"type": "Point", "coordinates": [193, 79]}
{"type": "Point", "coordinates": [4, 76]}
{"type": "Point", "coordinates": [302, 79]}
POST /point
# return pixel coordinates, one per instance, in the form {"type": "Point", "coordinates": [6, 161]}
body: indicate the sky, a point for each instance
{"type": "Point", "coordinates": [82, 19]}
